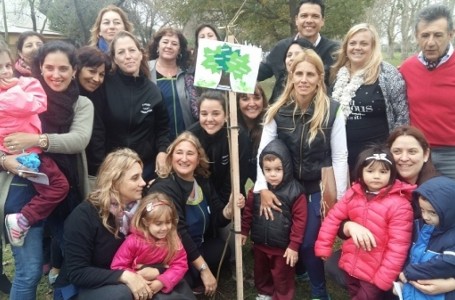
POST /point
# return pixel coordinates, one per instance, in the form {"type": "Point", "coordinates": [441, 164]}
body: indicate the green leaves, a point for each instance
{"type": "Point", "coordinates": [238, 65]}
{"type": "Point", "coordinates": [224, 58]}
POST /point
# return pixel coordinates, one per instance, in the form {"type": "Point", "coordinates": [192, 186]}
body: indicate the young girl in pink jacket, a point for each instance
{"type": "Point", "coordinates": [382, 204]}
{"type": "Point", "coordinates": [154, 242]}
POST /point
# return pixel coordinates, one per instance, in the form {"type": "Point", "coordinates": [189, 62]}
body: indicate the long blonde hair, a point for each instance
{"type": "Point", "coordinates": [151, 208]}
{"type": "Point", "coordinates": [372, 67]}
{"type": "Point", "coordinates": [321, 100]}
{"type": "Point", "coordinates": [203, 166]}
{"type": "Point", "coordinates": [110, 175]}
{"type": "Point", "coordinates": [95, 30]}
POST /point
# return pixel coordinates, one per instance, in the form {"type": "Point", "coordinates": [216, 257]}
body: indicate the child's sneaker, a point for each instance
{"type": "Point", "coordinates": [263, 297]}
{"type": "Point", "coordinates": [16, 234]}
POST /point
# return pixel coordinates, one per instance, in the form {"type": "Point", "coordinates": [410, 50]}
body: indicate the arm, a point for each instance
{"type": "Point", "coordinates": [192, 95]}
{"type": "Point", "coordinates": [339, 154]}
{"type": "Point", "coordinates": [244, 158]}
{"type": "Point", "coordinates": [161, 127]}
{"type": "Point", "coordinates": [176, 271]}
{"type": "Point", "coordinates": [299, 218]}
{"type": "Point", "coordinates": [434, 286]}
{"type": "Point", "coordinates": [126, 255]}
{"type": "Point", "coordinates": [441, 266]}
{"type": "Point", "coordinates": [247, 215]}
{"type": "Point", "coordinates": [24, 99]}
{"type": "Point", "coordinates": [396, 90]}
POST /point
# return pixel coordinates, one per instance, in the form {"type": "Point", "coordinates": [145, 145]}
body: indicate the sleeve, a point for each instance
{"type": "Point", "coordinates": [441, 266]}
{"type": "Point", "coordinates": [397, 97]}
{"type": "Point", "coordinates": [176, 271]}
{"type": "Point", "coordinates": [244, 158]}
{"type": "Point", "coordinates": [24, 99]}
{"type": "Point", "coordinates": [269, 133]}
{"type": "Point", "coordinates": [192, 95]}
{"type": "Point", "coordinates": [247, 214]}
{"type": "Point", "coordinates": [216, 206]}
{"type": "Point", "coordinates": [161, 127]}
{"type": "Point", "coordinates": [96, 149]}
{"type": "Point", "coordinates": [299, 218]}
{"type": "Point", "coordinates": [339, 148]}
{"type": "Point", "coordinates": [265, 70]}
{"type": "Point", "coordinates": [126, 254]}
{"type": "Point", "coordinates": [77, 139]}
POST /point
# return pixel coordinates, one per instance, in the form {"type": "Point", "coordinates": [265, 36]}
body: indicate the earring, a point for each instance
{"type": "Point", "coordinates": [73, 77]}
{"type": "Point", "coordinates": [179, 56]}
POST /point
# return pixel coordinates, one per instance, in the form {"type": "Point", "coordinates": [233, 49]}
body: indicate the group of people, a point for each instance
{"type": "Point", "coordinates": [114, 161]}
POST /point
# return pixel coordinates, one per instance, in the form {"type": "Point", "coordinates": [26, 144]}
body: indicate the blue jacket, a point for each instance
{"type": "Point", "coordinates": [433, 252]}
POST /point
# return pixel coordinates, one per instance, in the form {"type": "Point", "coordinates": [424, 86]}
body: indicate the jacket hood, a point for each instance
{"type": "Point", "coordinates": [440, 192]}
{"type": "Point", "coordinates": [279, 149]}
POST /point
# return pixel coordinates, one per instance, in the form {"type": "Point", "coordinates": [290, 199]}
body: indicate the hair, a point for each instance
{"type": "Point", "coordinates": [184, 55]}
{"type": "Point", "coordinates": [302, 42]}
{"type": "Point", "coordinates": [110, 175]}
{"type": "Point", "coordinates": [428, 169]}
{"type": "Point", "coordinates": [4, 48]}
{"type": "Point", "coordinates": [203, 167]}
{"type": "Point", "coordinates": [366, 158]}
{"type": "Point", "coordinates": [372, 67]}
{"type": "Point", "coordinates": [23, 36]}
{"type": "Point", "coordinates": [434, 12]}
{"type": "Point", "coordinates": [144, 67]}
{"type": "Point", "coordinates": [95, 30]}
{"type": "Point", "coordinates": [151, 208]}
{"type": "Point", "coordinates": [51, 47]}
{"type": "Point", "coordinates": [212, 95]}
{"type": "Point", "coordinates": [317, 2]}
{"type": "Point", "coordinates": [92, 57]}
{"type": "Point", "coordinates": [269, 157]}
{"type": "Point", "coordinates": [321, 100]}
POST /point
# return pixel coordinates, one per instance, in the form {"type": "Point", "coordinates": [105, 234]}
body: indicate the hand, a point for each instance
{"type": "Point", "coordinates": [160, 164]}
{"type": "Point", "coordinates": [148, 273]}
{"type": "Point", "coordinates": [209, 282]}
{"type": "Point", "coordinates": [13, 166]}
{"type": "Point", "coordinates": [19, 142]}
{"type": "Point", "coordinates": [156, 286]}
{"type": "Point", "coordinates": [361, 236]}
{"type": "Point", "coordinates": [434, 286]}
{"type": "Point", "coordinates": [268, 202]}
{"type": "Point", "coordinates": [291, 257]}
{"type": "Point", "coordinates": [137, 284]}
{"type": "Point", "coordinates": [227, 211]}
{"type": "Point", "coordinates": [243, 239]}
{"type": "Point", "coordinates": [402, 278]}
{"type": "Point", "coordinates": [7, 83]}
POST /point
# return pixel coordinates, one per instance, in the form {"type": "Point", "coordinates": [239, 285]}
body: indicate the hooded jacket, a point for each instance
{"type": "Point", "coordinates": [389, 218]}
{"type": "Point", "coordinates": [433, 252]}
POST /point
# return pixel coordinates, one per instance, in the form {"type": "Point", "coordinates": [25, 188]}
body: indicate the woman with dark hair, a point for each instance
{"type": "Point", "coordinates": [169, 56]}
{"type": "Point", "coordinates": [203, 31]}
{"type": "Point", "coordinates": [27, 45]}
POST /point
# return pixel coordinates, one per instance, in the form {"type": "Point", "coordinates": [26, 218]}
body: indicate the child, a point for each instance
{"type": "Point", "coordinates": [21, 100]}
{"type": "Point", "coordinates": [276, 243]}
{"type": "Point", "coordinates": [432, 255]}
{"type": "Point", "coordinates": [154, 241]}
{"type": "Point", "coordinates": [381, 204]}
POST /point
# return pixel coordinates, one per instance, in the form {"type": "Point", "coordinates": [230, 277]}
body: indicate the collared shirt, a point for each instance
{"type": "Point", "coordinates": [315, 43]}
{"type": "Point", "coordinates": [443, 60]}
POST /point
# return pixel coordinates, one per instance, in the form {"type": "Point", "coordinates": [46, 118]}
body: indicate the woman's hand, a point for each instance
{"type": "Point", "coordinates": [434, 286]}
{"type": "Point", "coordinates": [209, 282]}
{"type": "Point", "coordinates": [10, 163]}
{"type": "Point", "coordinates": [268, 202]}
{"type": "Point", "coordinates": [156, 286]}
{"type": "Point", "coordinates": [148, 273]}
{"type": "Point", "coordinates": [137, 284]}
{"type": "Point", "coordinates": [20, 141]}
{"type": "Point", "coordinates": [291, 257]}
{"type": "Point", "coordinates": [362, 237]}
{"type": "Point", "coordinates": [160, 164]}
{"type": "Point", "coordinates": [227, 211]}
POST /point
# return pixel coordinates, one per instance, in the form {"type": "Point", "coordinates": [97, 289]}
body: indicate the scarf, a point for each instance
{"type": "Point", "coordinates": [345, 89]}
{"type": "Point", "coordinates": [431, 65]}
{"type": "Point", "coordinates": [21, 67]}
{"type": "Point", "coordinates": [123, 217]}
{"type": "Point", "coordinates": [103, 45]}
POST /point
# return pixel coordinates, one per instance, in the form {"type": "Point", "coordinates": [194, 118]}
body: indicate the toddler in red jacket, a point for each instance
{"type": "Point", "coordinates": [381, 204]}
{"type": "Point", "coordinates": [154, 242]}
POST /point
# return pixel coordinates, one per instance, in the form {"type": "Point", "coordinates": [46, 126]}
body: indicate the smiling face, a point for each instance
{"type": "Point", "coordinates": [111, 23]}
{"type": "Point", "coordinates": [29, 48]}
{"type": "Point", "coordinates": [127, 55]}
{"type": "Point", "coordinates": [309, 21]}
{"type": "Point", "coordinates": [293, 51]}
{"type": "Point", "coordinates": [57, 71]}
{"type": "Point", "coordinates": [211, 116]}
{"type": "Point", "coordinates": [305, 79]}
{"type": "Point", "coordinates": [185, 159]}
{"type": "Point", "coordinates": [409, 157]}
{"type": "Point", "coordinates": [169, 47]}
{"type": "Point", "coordinates": [359, 49]}
{"type": "Point", "coordinates": [251, 105]}
{"type": "Point", "coordinates": [433, 38]}
{"type": "Point", "coordinates": [6, 66]}
{"type": "Point", "coordinates": [207, 33]}
{"type": "Point", "coordinates": [90, 78]}
{"type": "Point", "coordinates": [375, 176]}
{"type": "Point", "coordinates": [160, 227]}
{"type": "Point", "coordinates": [131, 186]}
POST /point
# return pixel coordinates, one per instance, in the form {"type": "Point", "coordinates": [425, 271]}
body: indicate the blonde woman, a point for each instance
{"type": "Point", "coordinates": [313, 127]}
{"type": "Point", "coordinates": [371, 92]}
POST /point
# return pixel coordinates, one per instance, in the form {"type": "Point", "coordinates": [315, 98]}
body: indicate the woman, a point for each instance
{"type": "Point", "coordinates": [169, 56]}
{"type": "Point", "coordinates": [132, 113]}
{"type": "Point", "coordinates": [27, 45]}
{"type": "Point", "coordinates": [110, 20]}
{"type": "Point", "coordinates": [200, 211]}
{"type": "Point", "coordinates": [96, 229]}
{"type": "Point", "coordinates": [250, 113]}
{"type": "Point", "coordinates": [203, 31]}
{"type": "Point", "coordinates": [313, 128]}
{"type": "Point", "coordinates": [67, 125]}
{"type": "Point", "coordinates": [371, 92]}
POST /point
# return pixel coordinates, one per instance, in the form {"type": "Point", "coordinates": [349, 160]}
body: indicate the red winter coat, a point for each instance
{"type": "Point", "coordinates": [388, 217]}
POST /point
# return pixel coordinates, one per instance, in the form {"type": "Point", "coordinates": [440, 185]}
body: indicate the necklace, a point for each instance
{"type": "Point", "coordinates": [167, 71]}
{"type": "Point", "coordinates": [345, 88]}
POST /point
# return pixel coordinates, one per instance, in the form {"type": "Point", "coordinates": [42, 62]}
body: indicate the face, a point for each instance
{"type": "Point", "coordinates": [207, 33]}
{"type": "Point", "coordinates": [309, 21]}
{"type": "Point", "coordinates": [305, 79]}
{"type": "Point", "coordinates": [127, 57]}
{"type": "Point", "coordinates": [169, 47]}
{"type": "Point", "coordinates": [6, 66]}
{"type": "Point", "coordinates": [360, 49]}
{"type": "Point", "coordinates": [185, 159]}
{"type": "Point", "coordinates": [57, 71]}
{"type": "Point", "coordinates": [375, 176]}
{"type": "Point", "coordinates": [131, 186]}
{"type": "Point", "coordinates": [31, 45]}
{"type": "Point", "coordinates": [273, 171]}
{"type": "Point", "coordinates": [409, 157]}
{"type": "Point", "coordinates": [293, 51]}
{"type": "Point", "coordinates": [111, 23]}
{"type": "Point", "coordinates": [433, 38]}
{"type": "Point", "coordinates": [429, 215]}
{"type": "Point", "coordinates": [160, 227]}
{"type": "Point", "coordinates": [211, 116]}
{"type": "Point", "coordinates": [251, 105]}
{"type": "Point", "coordinates": [90, 78]}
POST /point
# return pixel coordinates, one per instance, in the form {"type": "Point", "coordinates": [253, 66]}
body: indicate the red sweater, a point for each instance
{"type": "Point", "coordinates": [431, 97]}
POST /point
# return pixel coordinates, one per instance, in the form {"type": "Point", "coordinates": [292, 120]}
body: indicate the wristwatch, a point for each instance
{"type": "Point", "coordinates": [43, 141]}
{"type": "Point", "coordinates": [203, 267]}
